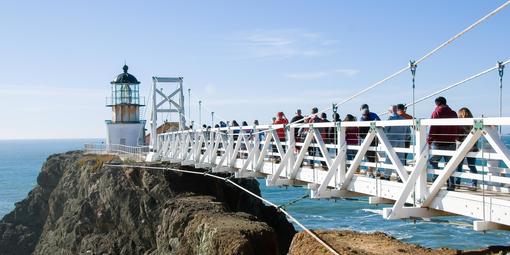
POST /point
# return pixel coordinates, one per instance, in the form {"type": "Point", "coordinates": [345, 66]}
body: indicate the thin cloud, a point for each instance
{"type": "Point", "coordinates": [347, 72]}
{"type": "Point", "coordinates": [321, 74]}
{"type": "Point", "coordinates": [283, 43]}
{"type": "Point", "coordinates": [306, 76]}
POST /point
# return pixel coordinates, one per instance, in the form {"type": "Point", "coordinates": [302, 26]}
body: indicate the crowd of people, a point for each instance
{"type": "Point", "coordinates": [441, 137]}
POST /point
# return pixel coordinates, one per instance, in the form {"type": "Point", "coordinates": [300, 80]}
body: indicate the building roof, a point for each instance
{"type": "Point", "coordinates": [125, 77]}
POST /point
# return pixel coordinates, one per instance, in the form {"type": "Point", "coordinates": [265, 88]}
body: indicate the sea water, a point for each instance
{"type": "Point", "coordinates": [21, 161]}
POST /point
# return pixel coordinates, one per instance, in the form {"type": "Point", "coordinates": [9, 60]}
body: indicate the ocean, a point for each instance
{"type": "Point", "coordinates": [21, 161]}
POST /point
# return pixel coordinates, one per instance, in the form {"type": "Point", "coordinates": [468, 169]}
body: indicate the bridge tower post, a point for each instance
{"type": "Point", "coordinates": [164, 105]}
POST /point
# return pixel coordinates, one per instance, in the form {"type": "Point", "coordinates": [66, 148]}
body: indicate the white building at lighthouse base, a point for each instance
{"type": "Point", "coordinates": [130, 134]}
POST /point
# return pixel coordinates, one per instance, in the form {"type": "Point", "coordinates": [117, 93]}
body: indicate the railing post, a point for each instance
{"type": "Point", "coordinates": [291, 141]}
{"type": "Point", "coordinates": [212, 138]}
{"type": "Point", "coordinates": [256, 145]}
{"type": "Point", "coordinates": [341, 149]}
{"type": "Point", "coordinates": [230, 142]}
{"type": "Point", "coordinates": [419, 149]}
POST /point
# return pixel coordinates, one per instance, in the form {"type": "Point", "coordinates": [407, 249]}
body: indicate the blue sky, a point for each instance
{"type": "Point", "coordinates": [245, 59]}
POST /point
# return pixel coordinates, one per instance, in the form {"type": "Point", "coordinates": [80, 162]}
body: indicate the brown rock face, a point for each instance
{"type": "Point", "coordinates": [82, 207]}
{"type": "Point", "coordinates": [350, 242]}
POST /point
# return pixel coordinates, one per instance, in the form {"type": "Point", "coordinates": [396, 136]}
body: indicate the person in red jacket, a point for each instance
{"type": "Point", "coordinates": [280, 132]}
{"type": "Point", "coordinates": [281, 119]}
{"type": "Point", "coordinates": [351, 136]}
{"type": "Point", "coordinates": [442, 137]}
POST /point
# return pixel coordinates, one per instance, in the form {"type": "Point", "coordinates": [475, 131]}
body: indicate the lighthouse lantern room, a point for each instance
{"type": "Point", "coordinates": [125, 127]}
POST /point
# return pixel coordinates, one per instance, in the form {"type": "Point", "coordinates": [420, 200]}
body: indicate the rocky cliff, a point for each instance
{"type": "Point", "coordinates": [81, 206]}
{"type": "Point", "coordinates": [351, 242]}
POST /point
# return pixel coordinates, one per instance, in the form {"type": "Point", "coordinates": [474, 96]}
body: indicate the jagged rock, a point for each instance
{"type": "Point", "coordinates": [81, 206]}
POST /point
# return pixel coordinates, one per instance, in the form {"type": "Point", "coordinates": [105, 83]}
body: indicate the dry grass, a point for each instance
{"type": "Point", "coordinates": [96, 161]}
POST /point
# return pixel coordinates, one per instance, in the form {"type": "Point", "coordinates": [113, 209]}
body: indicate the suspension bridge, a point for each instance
{"type": "Point", "coordinates": [319, 156]}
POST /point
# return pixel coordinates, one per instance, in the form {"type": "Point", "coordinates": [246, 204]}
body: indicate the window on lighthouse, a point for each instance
{"type": "Point", "coordinates": [125, 94]}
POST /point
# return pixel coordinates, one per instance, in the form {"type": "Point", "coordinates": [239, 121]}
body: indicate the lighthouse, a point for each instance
{"type": "Point", "coordinates": [125, 127]}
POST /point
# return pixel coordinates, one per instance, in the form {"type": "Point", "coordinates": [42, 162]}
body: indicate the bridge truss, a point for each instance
{"type": "Point", "coordinates": [320, 159]}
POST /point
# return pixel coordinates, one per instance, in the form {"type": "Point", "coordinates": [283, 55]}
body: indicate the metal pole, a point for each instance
{"type": "Point", "coordinates": [189, 104]}
{"type": "Point", "coordinates": [212, 119]}
{"type": "Point", "coordinates": [182, 117]}
{"type": "Point", "coordinates": [412, 66]}
{"type": "Point", "coordinates": [501, 68]}
{"type": "Point", "coordinates": [154, 117]}
{"type": "Point", "coordinates": [200, 113]}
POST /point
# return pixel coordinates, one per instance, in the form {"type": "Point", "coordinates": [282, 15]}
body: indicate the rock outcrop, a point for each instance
{"type": "Point", "coordinates": [351, 242]}
{"type": "Point", "coordinates": [81, 206]}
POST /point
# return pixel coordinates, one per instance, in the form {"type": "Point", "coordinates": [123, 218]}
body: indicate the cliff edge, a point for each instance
{"type": "Point", "coordinates": [81, 206]}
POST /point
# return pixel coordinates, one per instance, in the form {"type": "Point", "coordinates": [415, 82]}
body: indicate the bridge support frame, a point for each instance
{"type": "Point", "coordinates": [239, 151]}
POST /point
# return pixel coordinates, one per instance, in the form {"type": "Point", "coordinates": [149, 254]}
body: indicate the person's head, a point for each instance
{"type": "Point", "coordinates": [280, 115]}
{"type": "Point", "coordinates": [204, 126]}
{"type": "Point", "coordinates": [298, 112]}
{"type": "Point", "coordinates": [465, 113]}
{"type": "Point", "coordinates": [245, 123]}
{"type": "Point", "coordinates": [401, 108]}
{"type": "Point", "coordinates": [324, 116]}
{"type": "Point", "coordinates": [274, 119]}
{"type": "Point", "coordinates": [440, 101]}
{"type": "Point", "coordinates": [315, 110]}
{"type": "Point", "coordinates": [216, 126]}
{"type": "Point", "coordinates": [364, 106]}
{"type": "Point", "coordinates": [349, 117]}
{"type": "Point", "coordinates": [255, 122]}
{"type": "Point", "coordinates": [392, 109]}
{"type": "Point", "coordinates": [335, 116]}
{"type": "Point", "coordinates": [365, 111]}
{"type": "Point", "coordinates": [234, 123]}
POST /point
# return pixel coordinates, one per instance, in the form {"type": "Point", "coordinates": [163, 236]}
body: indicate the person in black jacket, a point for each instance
{"type": "Point", "coordinates": [298, 118]}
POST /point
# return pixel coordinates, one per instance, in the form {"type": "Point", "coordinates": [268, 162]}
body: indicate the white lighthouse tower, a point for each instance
{"type": "Point", "coordinates": [125, 127]}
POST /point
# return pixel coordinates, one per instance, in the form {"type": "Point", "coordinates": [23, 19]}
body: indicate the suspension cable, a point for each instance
{"type": "Point", "coordinates": [308, 231]}
{"type": "Point", "coordinates": [283, 206]}
{"type": "Point", "coordinates": [444, 44]}
{"type": "Point", "coordinates": [426, 56]}
{"type": "Point", "coordinates": [400, 71]}
{"type": "Point", "coordinates": [457, 83]}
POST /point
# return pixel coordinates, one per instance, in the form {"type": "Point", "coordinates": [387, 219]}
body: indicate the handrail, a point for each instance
{"type": "Point", "coordinates": [132, 152]}
{"type": "Point", "coordinates": [493, 121]}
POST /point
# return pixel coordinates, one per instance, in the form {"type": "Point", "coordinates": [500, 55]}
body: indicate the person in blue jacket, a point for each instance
{"type": "Point", "coordinates": [367, 115]}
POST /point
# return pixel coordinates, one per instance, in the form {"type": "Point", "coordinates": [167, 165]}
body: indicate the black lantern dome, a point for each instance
{"type": "Point", "coordinates": [125, 77]}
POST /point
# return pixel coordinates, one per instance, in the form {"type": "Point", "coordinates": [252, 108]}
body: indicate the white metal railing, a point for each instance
{"type": "Point", "coordinates": [334, 159]}
{"type": "Point", "coordinates": [138, 153]}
